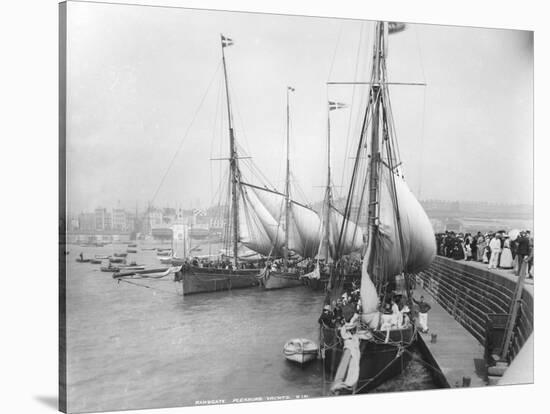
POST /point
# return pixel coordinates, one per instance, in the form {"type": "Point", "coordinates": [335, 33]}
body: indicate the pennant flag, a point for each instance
{"type": "Point", "coordinates": [226, 41]}
{"type": "Point", "coordinates": [290, 88]}
{"type": "Point", "coordinates": [395, 27]}
{"type": "Point", "coordinates": [336, 105]}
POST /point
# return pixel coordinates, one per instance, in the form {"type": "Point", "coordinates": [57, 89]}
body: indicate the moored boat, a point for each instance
{"type": "Point", "coordinates": [279, 279]}
{"type": "Point", "coordinates": [300, 350]}
{"type": "Point", "coordinates": [196, 279]}
{"type": "Point", "coordinates": [366, 333]}
{"type": "Point", "coordinates": [120, 254]}
{"type": "Point", "coordinates": [153, 273]}
{"type": "Point", "coordinates": [165, 259]}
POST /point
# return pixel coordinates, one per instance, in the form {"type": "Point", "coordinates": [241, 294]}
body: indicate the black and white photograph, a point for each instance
{"type": "Point", "coordinates": [259, 207]}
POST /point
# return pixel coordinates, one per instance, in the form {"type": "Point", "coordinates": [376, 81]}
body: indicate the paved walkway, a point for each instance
{"type": "Point", "coordinates": [456, 351]}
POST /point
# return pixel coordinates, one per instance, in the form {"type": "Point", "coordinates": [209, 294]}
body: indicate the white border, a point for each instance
{"type": "Point", "coordinates": [29, 206]}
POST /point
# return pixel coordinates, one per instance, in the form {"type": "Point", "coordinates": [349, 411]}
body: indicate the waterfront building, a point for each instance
{"type": "Point", "coordinates": [86, 221]}
{"type": "Point", "coordinates": [119, 220]}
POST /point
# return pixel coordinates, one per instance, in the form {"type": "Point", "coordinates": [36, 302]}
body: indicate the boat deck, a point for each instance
{"type": "Point", "coordinates": [457, 352]}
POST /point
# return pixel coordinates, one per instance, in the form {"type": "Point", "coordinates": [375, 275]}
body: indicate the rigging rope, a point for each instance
{"type": "Point", "coordinates": [147, 287]}
{"type": "Point", "coordinates": [185, 135]}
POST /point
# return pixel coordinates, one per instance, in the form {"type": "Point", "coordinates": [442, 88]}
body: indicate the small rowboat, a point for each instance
{"type": "Point", "coordinates": [117, 259]}
{"type": "Point", "coordinates": [120, 254]}
{"type": "Point", "coordinates": [148, 273]}
{"type": "Point", "coordinates": [96, 261]}
{"type": "Point", "coordinates": [300, 350]}
{"type": "Point", "coordinates": [79, 260]}
{"type": "Point", "coordinates": [131, 251]}
{"type": "Point", "coordinates": [132, 245]}
{"type": "Point", "coordinates": [101, 256]}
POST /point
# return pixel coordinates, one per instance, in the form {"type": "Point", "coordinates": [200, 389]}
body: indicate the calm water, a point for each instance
{"type": "Point", "coordinates": [132, 347]}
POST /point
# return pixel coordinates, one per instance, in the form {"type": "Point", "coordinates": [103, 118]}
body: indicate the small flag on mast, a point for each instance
{"type": "Point", "coordinates": [396, 27]}
{"type": "Point", "coordinates": [336, 105]}
{"type": "Point", "coordinates": [226, 41]}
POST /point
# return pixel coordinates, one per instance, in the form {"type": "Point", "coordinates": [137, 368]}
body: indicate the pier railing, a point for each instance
{"type": "Point", "coordinates": [472, 295]}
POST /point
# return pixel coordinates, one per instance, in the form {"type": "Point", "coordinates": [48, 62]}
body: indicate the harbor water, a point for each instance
{"type": "Point", "coordinates": [143, 345]}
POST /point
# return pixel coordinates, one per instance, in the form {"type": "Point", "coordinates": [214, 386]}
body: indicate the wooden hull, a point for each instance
{"type": "Point", "coordinates": [300, 350]}
{"type": "Point", "coordinates": [202, 280]}
{"type": "Point", "coordinates": [280, 280]}
{"type": "Point", "coordinates": [379, 361]}
{"type": "Point", "coordinates": [301, 358]}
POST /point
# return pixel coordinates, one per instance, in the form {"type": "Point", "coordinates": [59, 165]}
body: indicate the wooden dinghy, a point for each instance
{"type": "Point", "coordinates": [300, 350]}
{"type": "Point", "coordinates": [148, 273]}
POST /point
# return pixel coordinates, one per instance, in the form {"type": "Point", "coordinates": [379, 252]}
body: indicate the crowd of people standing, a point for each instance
{"type": "Point", "coordinates": [499, 250]}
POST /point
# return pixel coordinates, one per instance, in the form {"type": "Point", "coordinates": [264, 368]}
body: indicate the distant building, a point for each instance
{"type": "Point", "coordinates": [119, 219]}
{"type": "Point", "coordinates": [86, 221]}
{"type": "Point", "coordinates": [103, 219]}
{"type": "Point", "coordinates": [153, 219]}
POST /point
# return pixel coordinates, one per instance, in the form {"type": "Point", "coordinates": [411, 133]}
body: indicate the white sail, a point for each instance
{"type": "Point", "coordinates": [303, 229]}
{"type": "Point", "coordinates": [258, 229]}
{"type": "Point", "coordinates": [418, 250]}
{"type": "Point", "coordinates": [352, 238]}
{"type": "Point", "coordinates": [260, 220]}
{"type": "Point", "coordinates": [389, 258]}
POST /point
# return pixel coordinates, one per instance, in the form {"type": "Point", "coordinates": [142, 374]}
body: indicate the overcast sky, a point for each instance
{"type": "Point", "coordinates": [144, 82]}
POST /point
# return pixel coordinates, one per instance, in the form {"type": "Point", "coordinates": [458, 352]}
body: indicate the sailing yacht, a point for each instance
{"type": "Point", "coordinates": [289, 275]}
{"type": "Point", "coordinates": [366, 350]}
{"type": "Point", "coordinates": [253, 232]}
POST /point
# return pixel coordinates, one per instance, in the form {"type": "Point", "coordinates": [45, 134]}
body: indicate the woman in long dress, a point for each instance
{"type": "Point", "coordinates": [506, 260]}
{"type": "Point", "coordinates": [481, 244]}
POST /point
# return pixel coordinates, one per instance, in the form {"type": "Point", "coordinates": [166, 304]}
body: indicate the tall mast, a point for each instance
{"type": "Point", "coordinates": [328, 192]}
{"type": "Point", "coordinates": [375, 96]}
{"type": "Point", "coordinates": [287, 181]}
{"type": "Point", "coordinates": [235, 176]}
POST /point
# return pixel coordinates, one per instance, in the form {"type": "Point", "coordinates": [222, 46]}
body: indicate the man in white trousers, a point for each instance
{"type": "Point", "coordinates": [494, 245]}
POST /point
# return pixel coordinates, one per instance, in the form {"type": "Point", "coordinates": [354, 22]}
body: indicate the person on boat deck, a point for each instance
{"type": "Point", "coordinates": [423, 309]}
{"type": "Point", "coordinates": [81, 256]}
{"type": "Point", "coordinates": [387, 320]}
{"type": "Point", "coordinates": [405, 310]}
{"type": "Point", "coordinates": [494, 245]}
{"type": "Point", "coordinates": [327, 317]}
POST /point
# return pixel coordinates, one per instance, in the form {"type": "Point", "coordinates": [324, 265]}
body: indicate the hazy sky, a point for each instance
{"type": "Point", "coordinates": [143, 82]}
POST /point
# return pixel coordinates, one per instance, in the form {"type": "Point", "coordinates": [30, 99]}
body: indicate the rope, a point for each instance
{"type": "Point", "coordinates": [147, 287]}
{"type": "Point", "coordinates": [186, 133]}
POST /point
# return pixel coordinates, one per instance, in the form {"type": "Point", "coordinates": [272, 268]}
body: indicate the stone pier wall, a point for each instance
{"type": "Point", "coordinates": [469, 294]}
